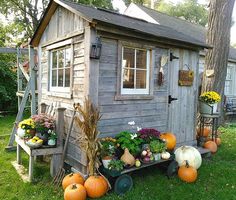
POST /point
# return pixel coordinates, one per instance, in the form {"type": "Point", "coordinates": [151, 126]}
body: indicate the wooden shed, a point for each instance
{"type": "Point", "coordinates": [125, 80]}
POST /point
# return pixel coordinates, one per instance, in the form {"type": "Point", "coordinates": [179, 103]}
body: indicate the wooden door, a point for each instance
{"type": "Point", "coordinates": [182, 112]}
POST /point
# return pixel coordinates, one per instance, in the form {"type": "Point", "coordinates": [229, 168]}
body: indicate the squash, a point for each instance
{"type": "Point", "coordinates": [206, 132]}
{"type": "Point", "coordinates": [75, 192]}
{"type": "Point", "coordinates": [212, 146]}
{"type": "Point", "coordinates": [96, 186]}
{"type": "Point", "coordinates": [187, 173]}
{"type": "Point", "coordinates": [165, 155]}
{"type": "Point", "coordinates": [128, 158]}
{"type": "Point", "coordinates": [72, 178]}
{"type": "Point", "coordinates": [170, 140]}
{"type": "Point", "coordinates": [190, 154]}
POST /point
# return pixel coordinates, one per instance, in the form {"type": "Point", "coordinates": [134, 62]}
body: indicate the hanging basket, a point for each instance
{"type": "Point", "coordinates": [205, 108]}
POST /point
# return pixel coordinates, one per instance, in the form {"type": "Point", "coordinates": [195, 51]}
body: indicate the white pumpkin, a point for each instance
{"type": "Point", "coordinates": [190, 154]}
{"type": "Point", "coordinates": [165, 155]}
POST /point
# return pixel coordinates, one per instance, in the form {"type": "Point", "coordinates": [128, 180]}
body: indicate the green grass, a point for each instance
{"type": "Point", "coordinates": [216, 177]}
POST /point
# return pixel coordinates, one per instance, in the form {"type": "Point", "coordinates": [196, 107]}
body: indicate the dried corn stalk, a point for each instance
{"type": "Point", "coordinates": [88, 140]}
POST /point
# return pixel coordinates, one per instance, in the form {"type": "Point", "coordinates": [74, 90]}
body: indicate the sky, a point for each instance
{"type": "Point", "coordinates": [121, 6]}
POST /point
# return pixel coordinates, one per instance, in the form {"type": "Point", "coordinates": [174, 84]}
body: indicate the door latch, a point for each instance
{"type": "Point", "coordinates": [170, 99]}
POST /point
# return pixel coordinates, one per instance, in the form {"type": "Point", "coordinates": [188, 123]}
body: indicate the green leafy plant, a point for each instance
{"type": "Point", "coordinates": [130, 141]}
{"type": "Point", "coordinates": [117, 165]}
{"type": "Point", "coordinates": [157, 146]}
{"type": "Point", "coordinates": [108, 147]}
{"type": "Point", "coordinates": [52, 135]}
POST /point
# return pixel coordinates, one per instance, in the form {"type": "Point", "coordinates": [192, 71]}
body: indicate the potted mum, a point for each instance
{"type": "Point", "coordinates": [108, 147]}
{"type": "Point", "coordinates": [26, 128]}
{"type": "Point", "coordinates": [208, 102]}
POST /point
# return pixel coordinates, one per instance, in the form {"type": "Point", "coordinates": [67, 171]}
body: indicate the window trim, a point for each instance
{"type": "Point", "coordinates": [134, 91]}
{"type": "Point", "coordinates": [231, 68]}
{"type": "Point", "coordinates": [53, 48]}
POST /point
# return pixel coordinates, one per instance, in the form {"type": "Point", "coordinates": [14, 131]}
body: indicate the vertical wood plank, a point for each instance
{"type": "Point", "coordinates": [33, 79]}
{"type": "Point", "coordinates": [18, 154]}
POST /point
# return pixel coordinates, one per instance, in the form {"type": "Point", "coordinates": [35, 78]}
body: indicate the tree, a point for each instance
{"type": "Point", "coordinates": [189, 10]}
{"type": "Point", "coordinates": [218, 36]}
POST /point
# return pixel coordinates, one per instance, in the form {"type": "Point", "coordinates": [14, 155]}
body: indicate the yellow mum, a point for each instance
{"type": "Point", "coordinates": [210, 97]}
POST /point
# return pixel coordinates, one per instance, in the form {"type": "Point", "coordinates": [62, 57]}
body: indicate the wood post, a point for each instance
{"type": "Point", "coordinates": [18, 152]}
{"type": "Point", "coordinates": [33, 79]}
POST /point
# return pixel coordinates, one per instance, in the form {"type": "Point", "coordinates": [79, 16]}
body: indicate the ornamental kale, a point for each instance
{"type": "Point", "coordinates": [149, 134]}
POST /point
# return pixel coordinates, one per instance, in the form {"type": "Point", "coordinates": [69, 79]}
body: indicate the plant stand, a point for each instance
{"type": "Point", "coordinates": [208, 120]}
{"type": "Point", "coordinates": [55, 152]}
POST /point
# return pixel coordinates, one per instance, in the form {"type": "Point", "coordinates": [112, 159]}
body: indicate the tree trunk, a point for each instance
{"type": "Point", "coordinates": [218, 36]}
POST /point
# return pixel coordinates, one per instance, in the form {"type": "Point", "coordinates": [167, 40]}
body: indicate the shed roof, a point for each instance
{"type": "Point", "coordinates": [109, 17]}
{"type": "Point", "coordinates": [196, 31]}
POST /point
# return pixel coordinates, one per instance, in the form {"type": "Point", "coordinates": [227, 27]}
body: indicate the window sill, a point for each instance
{"type": "Point", "coordinates": [133, 97]}
{"type": "Point", "coordinates": [59, 94]}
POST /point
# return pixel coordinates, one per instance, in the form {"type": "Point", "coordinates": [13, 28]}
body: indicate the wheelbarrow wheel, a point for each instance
{"type": "Point", "coordinates": [172, 169]}
{"type": "Point", "coordinates": [123, 184]}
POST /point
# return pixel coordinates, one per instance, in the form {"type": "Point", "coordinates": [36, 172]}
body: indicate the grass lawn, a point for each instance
{"type": "Point", "coordinates": [216, 177]}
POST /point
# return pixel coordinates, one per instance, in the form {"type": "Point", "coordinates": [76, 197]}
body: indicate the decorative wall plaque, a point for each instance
{"type": "Point", "coordinates": [186, 77]}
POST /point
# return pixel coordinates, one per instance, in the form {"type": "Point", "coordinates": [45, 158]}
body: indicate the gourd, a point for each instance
{"type": "Point", "coordinates": [206, 132]}
{"type": "Point", "coordinates": [190, 154]}
{"type": "Point", "coordinates": [75, 192]}
{"type": "Point", "coordinates": [218, 141]}
{"type": "Point", "coordinates": [170, 140]}
{"type": "Point", "coordinates": [187, 173]}
{"type": "Point", "coordinates": [96, 186]}
{"type": "Point", "coordinates": [128, 158]}
{"type": "Point", "coordinates": [165, 155]}
{"type": "Point", "coordinates": [72, 178]}
{"type": "Point", "coordinates": [212, 146]}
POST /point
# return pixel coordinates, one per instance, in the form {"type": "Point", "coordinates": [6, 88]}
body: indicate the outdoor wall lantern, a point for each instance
{"type": "Point", "coordinates": [96, 48]}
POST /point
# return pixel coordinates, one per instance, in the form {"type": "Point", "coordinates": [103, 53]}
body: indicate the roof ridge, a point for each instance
{"type": "Point", "coordinates": [184, 20]}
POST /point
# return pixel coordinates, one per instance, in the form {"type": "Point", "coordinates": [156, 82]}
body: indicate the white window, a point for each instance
{"type": "Point", "coordinates": [229, 81]}
{"type": "Point", "coordinates": [135, 71]}
{"type": "Point", "coordinates": [60, 69]}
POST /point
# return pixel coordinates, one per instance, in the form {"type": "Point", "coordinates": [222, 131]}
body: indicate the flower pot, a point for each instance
{"type": "Point", "coordinates": [32, 132]}
{"type": "Point", "coordinates": [51, 142]}
{"type": "Point", "coordinates": [44, 137]}
{"type": "Point", "coordinates": [106, 161]}
{"type": "Point", "coordinates": [205, 108]}
{"type": "Point", "coordinates": [157, 156]}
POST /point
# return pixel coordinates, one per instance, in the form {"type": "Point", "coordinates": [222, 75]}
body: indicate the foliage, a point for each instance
{"type": "Point", "coordinates": [145, 180]}
{"type": "Point", "coordinates": [149, 134]}
{"type": "Point", "coordinates": [157, 146]}
{"type": "Point", "coordinates": [210, 97]}
{"type": "Point", "coordinates": [88, 118]}
{"type": "Point", "coordinates": [189, 10]}
{"type": "Point", "coordinates": [52, 135]}
{"type": "Point", "coordinates": [108, 146]}
{"type": "Point", "coordinates": [97, 3]}
{"type": "Point", "coordinates": [129, 140]}
{"type": "Point", "coordinates": [117, 165]}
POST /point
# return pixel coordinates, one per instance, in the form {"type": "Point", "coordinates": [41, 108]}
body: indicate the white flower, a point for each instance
{"type": "Point", "coordinates": [133, 136]}
{"type": "Point", "coordinates": [132, 123]}
{"type": "Point", "coordinates": [138, 128]}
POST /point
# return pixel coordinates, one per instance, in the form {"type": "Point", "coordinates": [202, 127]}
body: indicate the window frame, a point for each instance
{"type": "Point", "coordinates": [56, 47]}
{"type": "Point", "coordinates": [135, 91]}
{"type": "Point", "coordinates": [230, 81]}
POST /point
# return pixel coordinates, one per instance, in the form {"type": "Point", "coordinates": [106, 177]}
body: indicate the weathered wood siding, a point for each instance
{"type": "Point", "coordinates": [116, 114]}
{"type": "Point", "coordinates": [65, 25]}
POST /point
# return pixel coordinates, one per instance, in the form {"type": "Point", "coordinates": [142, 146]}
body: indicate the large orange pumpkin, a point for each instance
{"type": "Point", "coordinates": [170, 140]}
{"type": "Point", "coordinates": [72, 178]}
{"type": "Point", "coordinates": [96, 186]}
{"type": "Point", "coordinates": [211, 146]}
{"type": "Point", "coordinates": [206, 132]}
{"type": "Point", "coordinates": [75, 192]}
{"type": "Point", "coordinates": [218, 141]}
{"type": "Point", "coordinates": [187, 173]}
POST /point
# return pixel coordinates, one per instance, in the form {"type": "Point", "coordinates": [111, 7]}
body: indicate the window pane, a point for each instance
{"type": "Point", "coordinates": [128, 58]}
{"type": "Point", "coordinates": [61, 59]}
{"type": "Point", "coordinates": [54, 78]}
{"type": "Point", "coordinates": [54, 59]}
{"type": "Point", "coordinates": [141, 79]}
{"type": "Point", "coordinates": [141, 59]}
{"type": "Point", "coordinates": [68, 57]}
{"type": "Point", "coordinates": [128, 78]}
{"type": "Point", "coordinates": [67, 77]}
{"type": "Point", "coordinates": [60, 78]}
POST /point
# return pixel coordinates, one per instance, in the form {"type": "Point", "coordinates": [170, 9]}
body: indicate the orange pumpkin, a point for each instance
{"type": "Point", "coordinates": [206, 132]}
{"type": "Point", "coordinates": [170, 140]}
{"type": "Point", "coordinates": [211, 146]}
{"type": "Point", "coordinates": [72, 178]}
{"type": "Point", "coordinates": [96, 186]}
{"type": "Point", "coordinates": [218, 141]}
{"type": "Point", "coordinates": [187, 173]}
{"type": "Point", "coordinates": [75, 192]}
